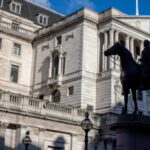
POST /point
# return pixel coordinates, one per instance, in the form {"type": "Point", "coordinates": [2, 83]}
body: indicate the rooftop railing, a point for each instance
{"type": "Point", "coordinates": [15, 29]}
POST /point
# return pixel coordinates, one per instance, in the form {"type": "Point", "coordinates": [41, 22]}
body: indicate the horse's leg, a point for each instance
{"type": "Point", "coordinates": [135, 101]}
{"type": "Point", "coordinates": [125, 102]}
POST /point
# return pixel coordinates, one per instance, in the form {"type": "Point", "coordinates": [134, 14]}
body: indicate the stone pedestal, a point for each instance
{"type": "Point", "coordinates": [133, 132]}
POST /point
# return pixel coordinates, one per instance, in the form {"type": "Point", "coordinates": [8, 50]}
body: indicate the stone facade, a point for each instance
{"type": "Point", "coordinates": [50, 75]}
{"type": "Point", "coordinates": [86, 68]}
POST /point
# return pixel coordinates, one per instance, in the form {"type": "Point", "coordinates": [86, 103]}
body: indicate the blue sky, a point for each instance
{"type": "Point", "coordinates": [69, 6]}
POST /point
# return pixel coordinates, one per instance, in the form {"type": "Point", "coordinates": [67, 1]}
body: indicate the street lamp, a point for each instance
{"type": "Point", "coordinates": [86, 125]}
{"type": "Point", "coordinates": [27, 140]}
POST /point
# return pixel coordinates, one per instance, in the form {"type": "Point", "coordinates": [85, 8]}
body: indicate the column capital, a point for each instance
{"type": "Point", "coordinates": [111, 30]}
{"type": "Point", "coordinates": [127, 36]}
{"type": "Point", "coordinates": [142, 41]}
{"type": "Point", "coordinates": [60, 55]}
{"type": "Point", "coordinates": [132, 38]}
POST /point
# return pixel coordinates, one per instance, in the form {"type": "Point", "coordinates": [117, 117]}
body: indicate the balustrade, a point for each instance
{"type": "Point", "coordinates": [34, 102]}
{"type": "Point", "coordinates": [58, 107]}
{"type": "Point", "coordinates": [15, 28]}
{"type": "Point", "coordinates": [27, 104]}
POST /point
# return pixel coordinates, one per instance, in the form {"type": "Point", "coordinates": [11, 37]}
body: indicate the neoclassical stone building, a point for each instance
{"type": "Point", "coordinates": [53, 68]}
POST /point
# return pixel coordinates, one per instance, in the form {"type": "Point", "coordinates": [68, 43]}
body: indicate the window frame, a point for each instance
{"type": "Point", "coordinates": [69, 92]}
{"type": "Point", "coordinates": [15, 26]}
{"type": "Point", "coordinates": [14, 51]}
{"type": "Point", "coordinates": [56, 96]}
{"type": "Point", "coordinates": [43, 17]}
{"type": "Point", "coordinates": [57, 43]}
{"type": "Point", "coordinates": [15, 7]}
{"type": "Point", "coordinates": [11, 67]}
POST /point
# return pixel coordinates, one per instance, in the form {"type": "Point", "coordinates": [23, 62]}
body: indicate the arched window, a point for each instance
{"type": "Point", "coordinates": [56, 96]}
{"type": "Point", "coordinates": [55, 63]}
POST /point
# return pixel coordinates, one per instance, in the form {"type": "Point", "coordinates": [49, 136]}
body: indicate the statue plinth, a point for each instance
{"type": "Point", "coordinates": [133, 132]}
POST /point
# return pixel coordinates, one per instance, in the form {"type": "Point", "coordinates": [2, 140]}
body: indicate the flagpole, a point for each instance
{"type": "Point", "coordinates": [137, 7]}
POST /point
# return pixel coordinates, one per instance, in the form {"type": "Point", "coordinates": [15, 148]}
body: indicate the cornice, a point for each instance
{"type": "Point", "coordinates": [66, 25]}
{"type": "Point", "coordinates": [134, 17]}
{"type": "Point", "coordinates": [131, 27]}
{"type": "Point", "coordinates": [112, 19]}
{"type": "Point", "coordinates": [16, 36]}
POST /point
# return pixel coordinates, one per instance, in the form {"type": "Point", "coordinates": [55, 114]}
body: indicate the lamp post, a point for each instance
{"type": "Point", "coordinates": [86, 125]}
{"type": "Point", "coordinates": [26, 140]}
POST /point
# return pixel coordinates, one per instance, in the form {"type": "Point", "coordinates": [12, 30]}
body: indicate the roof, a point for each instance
{"type": "Point", "coordinates": [30, 11]}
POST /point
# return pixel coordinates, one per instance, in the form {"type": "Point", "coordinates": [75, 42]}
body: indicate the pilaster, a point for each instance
{"type": "Point", "coordinates": [41, 138]}
{"type": "Point", "coordinates": [105, 48]}
{"type": "Point", "coordinates": [3, 127]}
{"type": "Point", "coordinates": [50, 66]}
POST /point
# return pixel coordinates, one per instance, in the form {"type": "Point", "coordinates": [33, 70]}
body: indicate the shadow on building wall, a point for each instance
{"type": "Point", "coordinates": [44, 70]}
{"type": "Point", "coordinates": [58, 144]}
{"type": "Point", "coordinates": [3, 145]}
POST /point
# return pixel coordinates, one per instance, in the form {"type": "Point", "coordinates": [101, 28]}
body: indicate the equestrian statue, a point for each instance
{"type": "Point", "coordinates": [134, 76]}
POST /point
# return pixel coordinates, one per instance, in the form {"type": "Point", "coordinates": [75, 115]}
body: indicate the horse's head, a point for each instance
{"type": "Point", "coordinates": [114, 50]}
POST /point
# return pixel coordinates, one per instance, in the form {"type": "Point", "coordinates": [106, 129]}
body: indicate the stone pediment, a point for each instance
{"type": "Point", "coordinates": [139, 22]}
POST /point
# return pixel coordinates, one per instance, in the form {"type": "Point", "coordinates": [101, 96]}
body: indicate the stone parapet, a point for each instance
{"type": "Point", "coordinates": [26, 105]}
{"type": "Point", "coordinates": [15, 30]}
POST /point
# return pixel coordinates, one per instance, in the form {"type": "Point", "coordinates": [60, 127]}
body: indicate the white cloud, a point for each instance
{"type": "Point", "coordinates": [44, 3]}
{"type": "Point", "coordinates": [76, 4]}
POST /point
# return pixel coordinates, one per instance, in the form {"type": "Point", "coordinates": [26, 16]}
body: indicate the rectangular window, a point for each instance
{"type": "Point", "coordinates": [70, 91]}
{"type": "Point", "coordinates": [14, 73]}
{"type": "Point", "coordinates": [15, 26]}
{"type": "Point", "coordinates": [17, 49]}
{"type": "Point", "coordinates": [59, 40]}
{"type": "Point", "coordinates": [15, 7]}
{"type": "Point", "coordinates": [43, 20]}
{"type": "Point", "coordinates": [0, 43]}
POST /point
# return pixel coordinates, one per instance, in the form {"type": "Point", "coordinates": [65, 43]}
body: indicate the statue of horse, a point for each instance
{"type": "Point", "coordinates": [130, 73]}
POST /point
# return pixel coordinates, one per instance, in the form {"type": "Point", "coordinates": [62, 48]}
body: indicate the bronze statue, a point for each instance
{"type": "Point", "coordinates": [145, 66]}
{"type": "Point", "coordinates": [130, 73]}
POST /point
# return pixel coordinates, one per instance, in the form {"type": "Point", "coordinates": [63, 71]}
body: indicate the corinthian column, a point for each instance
{"type": "Point", "coordinates": [117, 63]}
{"type": "Point", "coordinates": [127, 42]}
{"type": "Point", "coordinates": [116, 36]}
{"type": "Point", "coordinates": [132, 46]}
{"type": "Point", "coordinates": [141, 46]}
{"type": "Point", "coordinates": [105, 48]}
{"type": "Point", "coordinates": [111, 42]}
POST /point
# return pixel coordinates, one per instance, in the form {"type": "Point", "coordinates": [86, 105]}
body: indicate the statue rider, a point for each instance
{"type": "Point", "coordinates": [145, 64]}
